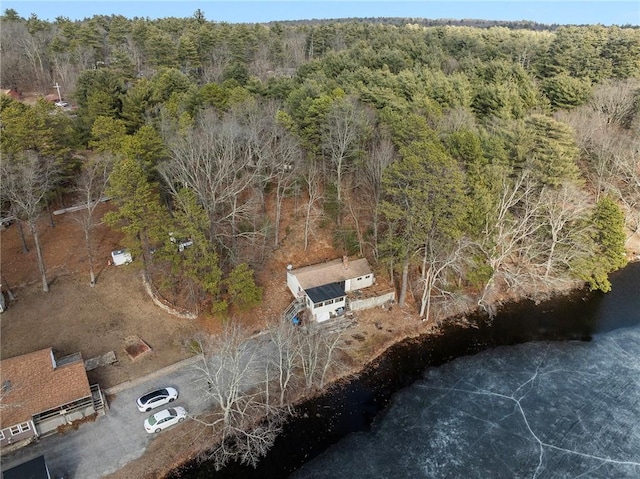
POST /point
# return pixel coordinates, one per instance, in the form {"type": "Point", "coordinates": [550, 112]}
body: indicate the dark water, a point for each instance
{"type": "Point", "coordinates": [352, 408]}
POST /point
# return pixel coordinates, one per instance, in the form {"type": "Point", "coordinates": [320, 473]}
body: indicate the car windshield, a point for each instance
{"type": "Point", "coordinates": [147, 397]}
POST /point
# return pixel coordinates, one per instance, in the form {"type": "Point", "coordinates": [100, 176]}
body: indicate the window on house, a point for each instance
{"type": "Point", "coordinates": [367, 276]}
{"type": "Point", "coordinates": [1, 435]}
{"type": "Point", "coordinates": [329, 301]}
{"type": "Point", "coordinates": [17, 429]}
{"type": "Point", "coordinates": [318, 305]}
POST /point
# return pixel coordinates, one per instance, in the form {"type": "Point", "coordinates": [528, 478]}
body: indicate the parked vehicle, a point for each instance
{"type": "Point", "coordinates": [156, 398]}
{"type": "Point", "coordinates": [164, 419]}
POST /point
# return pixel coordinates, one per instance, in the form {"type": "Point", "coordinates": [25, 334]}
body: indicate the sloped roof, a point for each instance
{"type": "Point", "coordinates": [31, 385]}
{"type": "Point", "coordinates": [331, 272]}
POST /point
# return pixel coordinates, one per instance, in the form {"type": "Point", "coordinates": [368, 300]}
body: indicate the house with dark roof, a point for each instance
{"type": "Point", "coordinates": [322, 288]}
{"type": "Point", "coordinates": [40, 393]}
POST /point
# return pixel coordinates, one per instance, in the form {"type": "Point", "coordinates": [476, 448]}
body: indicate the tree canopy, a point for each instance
{"type": "Point", "coordinates": [453, 155]}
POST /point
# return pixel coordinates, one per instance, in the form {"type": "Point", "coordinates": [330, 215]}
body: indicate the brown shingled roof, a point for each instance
{"type": "Point", "coordinates": [331, 272]}
{"type": "Point", "coordinates": [35, 386]}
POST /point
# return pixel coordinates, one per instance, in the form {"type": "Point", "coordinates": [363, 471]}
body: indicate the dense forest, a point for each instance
{"type": "Point", "coordinates": [464, 161]}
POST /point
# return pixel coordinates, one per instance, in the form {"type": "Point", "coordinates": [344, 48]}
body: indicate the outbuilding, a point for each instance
{"type": "Point", "coordinates": [121, 256]}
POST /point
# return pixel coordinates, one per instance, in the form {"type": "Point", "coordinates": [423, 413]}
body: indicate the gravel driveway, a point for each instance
{"type": "Point", "coordinates": [106, 445]}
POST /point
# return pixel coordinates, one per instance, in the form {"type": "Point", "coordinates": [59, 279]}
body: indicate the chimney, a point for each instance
{"type": "Point", "coordinates": [345, 262]}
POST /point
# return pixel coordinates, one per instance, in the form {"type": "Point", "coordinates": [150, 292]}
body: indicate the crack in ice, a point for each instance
{"type": "Point", "coordinates": [529, 384]}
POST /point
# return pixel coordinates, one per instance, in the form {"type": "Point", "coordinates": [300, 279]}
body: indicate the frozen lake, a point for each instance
{"type": "Point", "coordinates": [551, 409]}
{"type": "Point", "coordinates": [536, 410]}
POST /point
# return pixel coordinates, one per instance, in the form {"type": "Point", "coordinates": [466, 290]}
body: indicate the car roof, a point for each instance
{"type": "Point", "coordinates": [152, 394]}
{"type": "Point", "coordinates": [165, 413]}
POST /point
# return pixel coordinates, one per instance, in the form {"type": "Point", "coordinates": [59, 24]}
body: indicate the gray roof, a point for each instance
{"type": "Point", "coordinates": [331, 272]}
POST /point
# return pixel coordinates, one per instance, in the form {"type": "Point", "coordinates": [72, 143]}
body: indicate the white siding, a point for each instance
{"type": "Point", "coordinates": [323, 312]}
{"type": "Point", "coordinates": [294, 285]}
{"type": "Point", "coordinates": [359, 283]}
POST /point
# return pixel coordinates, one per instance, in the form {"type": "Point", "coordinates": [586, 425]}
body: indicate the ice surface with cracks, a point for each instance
{"type": "Point", "coordinates": [537, 410]}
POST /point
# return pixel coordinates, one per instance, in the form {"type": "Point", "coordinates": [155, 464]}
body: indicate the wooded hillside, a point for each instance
{"type": "Point", "coordinates": [464, 161]}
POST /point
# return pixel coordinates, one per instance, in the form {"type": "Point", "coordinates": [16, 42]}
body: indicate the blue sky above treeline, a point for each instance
{"type": "Point", "coordinates": [621, 12]}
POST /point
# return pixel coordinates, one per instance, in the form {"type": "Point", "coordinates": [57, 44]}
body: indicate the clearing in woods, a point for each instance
{"type": "Point", "coordinates": [74, 317]}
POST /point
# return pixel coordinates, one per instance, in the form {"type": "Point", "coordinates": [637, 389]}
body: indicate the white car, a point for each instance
{"type": "Point", "coordinates": [156, 398]}
{"type": "Point", "coordinates": [165, 418]}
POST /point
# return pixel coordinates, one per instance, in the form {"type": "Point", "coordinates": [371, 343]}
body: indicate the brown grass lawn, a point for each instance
{"type": "Point", "coordinates": [72, 316]}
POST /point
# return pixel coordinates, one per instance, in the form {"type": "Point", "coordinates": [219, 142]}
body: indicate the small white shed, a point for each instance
{"type": "Point", "coordinates": [121, 256]}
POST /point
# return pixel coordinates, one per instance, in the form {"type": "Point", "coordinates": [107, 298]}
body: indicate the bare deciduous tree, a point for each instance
{"type": "Point", "coordinates": [65, 71]}
{"type": "Point", "coordinates": [216, 63]}
{"type": "Point", "coordinates": [26, 181]}
{"type": "Point", "coordinates": [218, 161]}
{"type": "Point", "coordinates": [90, 188]}
{"type": "Point", "coordinates": [35, 49]}
{"type": "Point", "coordinates": [381, 154]}
{"type": "Point", "coordinates": [346, 126]}
{"type": "Point", "coordinates": [285, 163]}
{"type": "Point", "coordinates": [317, 347]}
{"type": "Point", "coordinates": [312, 179]}
{"type": "Point", "coordinates": [294, 47]}
{"type": "Point", "coordinates": [627, 162]}
{"type": "Point", "coordinates": [561, 209]}
{"type": "Point", "coordinates": [514, 220]}
{"type": "Point", "coordinates": [16, 69]}
{"type": "Point", "coordinates": [595, 138]}
{"type": "Point", "coordinates": [438, 259]}
{"type": "Point", "coordinates": [284, 362]}
{"type": "Point", "coordinates": [616, 100]}
{"type": "Point", "coordinates": [237, 374]}
{"type": "Point", "coordinates": [232, 376]}
{"type": "Point", "coordinates": [610, 151]}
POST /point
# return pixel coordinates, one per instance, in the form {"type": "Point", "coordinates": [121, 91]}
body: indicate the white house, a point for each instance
{"type": "Point", "coordinates": [324, 287]}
